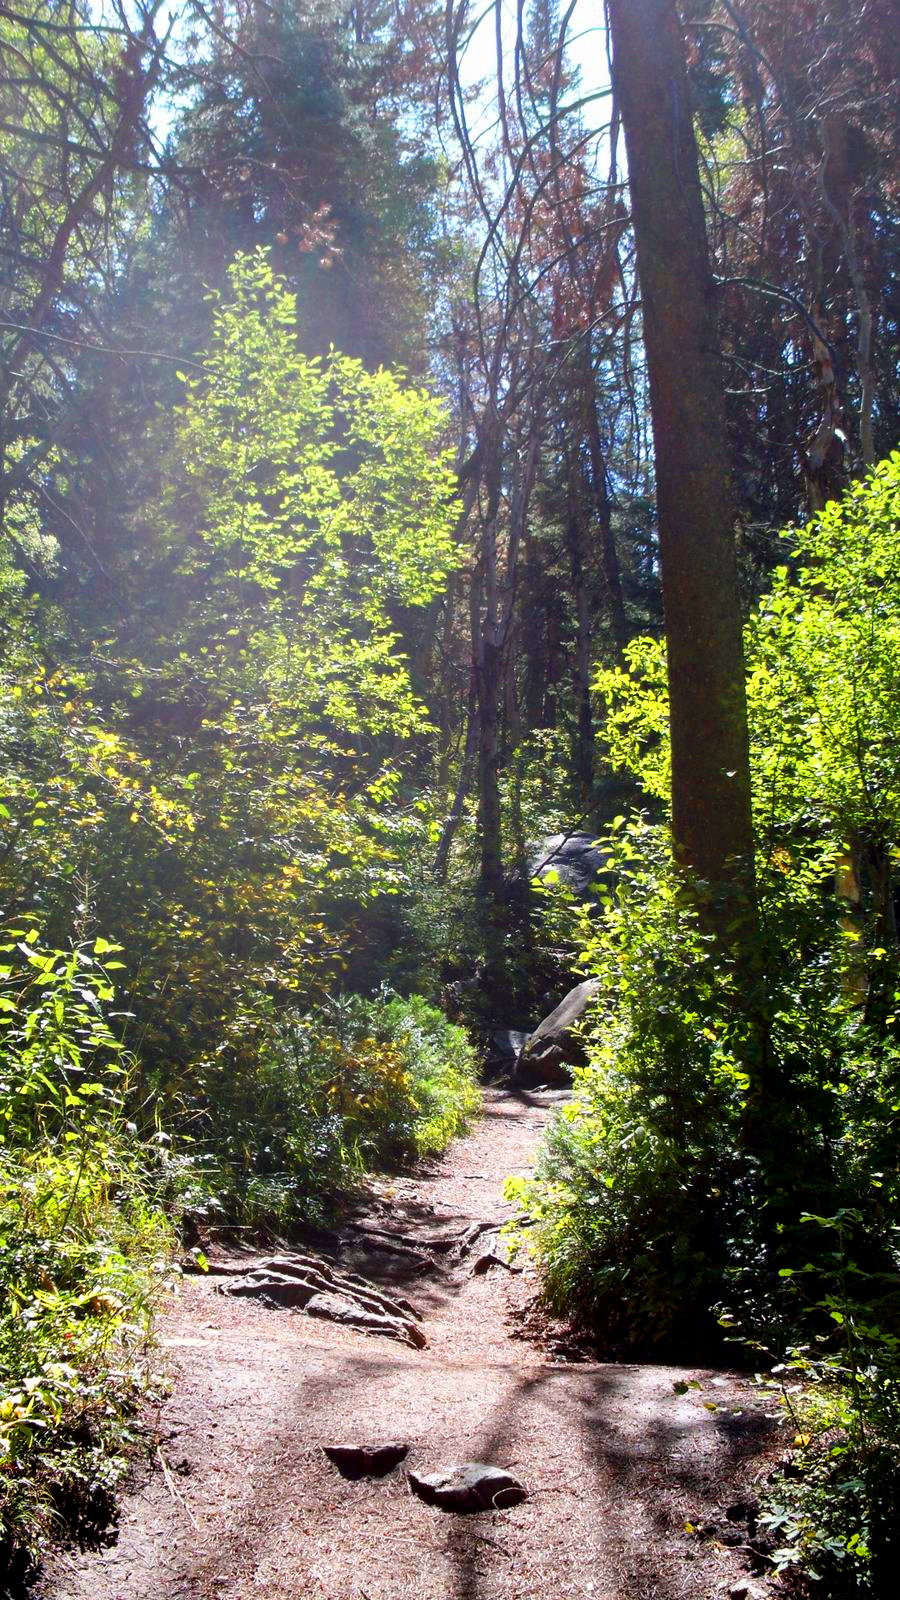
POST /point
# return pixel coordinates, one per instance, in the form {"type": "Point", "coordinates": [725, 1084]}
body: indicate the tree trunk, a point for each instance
{"type": "Point", "coordinates": [455, 815]}
{"type": "Point", "coordinates": [487, 664]}
{"type": "Point", "coordinates": [610, 565]}
{"type": "Point", "coordinates": [710, 750]}
{"type": "Point", "coordinates": [849, 890]}
{"type": "Point", "coordinates": [581, 664]}
{"type": "Point", "coordinates": [534, 632]}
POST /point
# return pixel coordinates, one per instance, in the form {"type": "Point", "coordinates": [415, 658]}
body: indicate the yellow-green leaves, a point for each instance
{"type": "Point", "coordinates": [316, 482]}
{"type": "Point", "coordinates": [823, 684]}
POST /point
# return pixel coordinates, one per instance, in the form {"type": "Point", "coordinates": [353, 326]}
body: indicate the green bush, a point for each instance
{"type": "Point", "coordinates": [833, 1508]}
{"type": "Point", "coordinates": [296, 1110]}
{"type": "Point", "coordinates": [654, 1208]}
{"type": "Point", "coordinates": [82, 1253]}
{"type": "Point", "coordinates": [83, 1247]}
{"type": "Point", "coordinates": [299, 1107]}
{"type": "Point", "coordinates": [440, 1064]}
{"type": "Point", "coordinates": [640, 1189]}
{"type": "Point", "coordinates": [653, 1201]}
{"type": "Point", "coordinates": [724, 1110]}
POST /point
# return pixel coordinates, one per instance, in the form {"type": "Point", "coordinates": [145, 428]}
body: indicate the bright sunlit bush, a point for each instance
{"type": "Point", "coordinates": [83, 1247]}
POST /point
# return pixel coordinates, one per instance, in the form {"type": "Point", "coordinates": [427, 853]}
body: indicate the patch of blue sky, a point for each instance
{"type": "Point", "coordinates": [483, 57]}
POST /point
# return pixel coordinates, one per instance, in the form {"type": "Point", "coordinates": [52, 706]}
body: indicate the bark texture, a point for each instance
{"type": "Point", "coordinates": [710, 752]}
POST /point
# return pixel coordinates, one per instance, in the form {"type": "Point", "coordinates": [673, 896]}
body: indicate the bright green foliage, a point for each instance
{"type": "Point", "coordinates": [208, 761]}
{"type": "Point", "coordinates": [651, 1211]}
{"type": "Point", "coordinates": [442, 1067]}
{"type": "Point", "coordinates": [220, 774]}
{"type": "Point", "coordinates": [823, 683]}
{"type": "Point", "coordinates": [635, 699]}
{"type": "Point", "coordinates": [297, 1108]}
{"type": "Point", "coordinates": [81, 1244]}
{"type": "Point", "coordinates": [317, 481]}
{"type": "Point", "coordinates": [653, 1205]}
{"type": "Point", "coordinates": [676, 1027]}
{"type": "Point", "coordinates": [824, 677]}
{"type": "Point", "coordinates": [60, 1062]}
{"type": "Point", "coordinates": [640, 1169]}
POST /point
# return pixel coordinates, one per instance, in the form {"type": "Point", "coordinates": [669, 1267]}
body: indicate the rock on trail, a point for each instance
{"type": "Point", "coordinates": [550, 1053]}
{"type": "Point", "coordinates": [615, 1458]}
{"type": "Point", "coordinates": [366, 1460]}
{"type": "Point", "coordinates": [473, 1486]}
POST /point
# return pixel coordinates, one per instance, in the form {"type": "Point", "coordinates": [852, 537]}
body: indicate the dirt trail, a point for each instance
{"type": "Point", "coordinates": [615, 1460]}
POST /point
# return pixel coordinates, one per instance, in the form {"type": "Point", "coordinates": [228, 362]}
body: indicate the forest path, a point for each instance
{"type": "Point", "coordinates": [615, 1460]}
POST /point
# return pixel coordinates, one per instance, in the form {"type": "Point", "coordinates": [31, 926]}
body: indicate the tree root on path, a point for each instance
{"type": "Point", "coordinates": [310, 1284]}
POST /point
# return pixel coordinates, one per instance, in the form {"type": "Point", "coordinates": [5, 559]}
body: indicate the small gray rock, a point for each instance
{"type": "Point", "coordinates": [366, 1460]}
{"type": "Point", "coordinates": [470, 1486]}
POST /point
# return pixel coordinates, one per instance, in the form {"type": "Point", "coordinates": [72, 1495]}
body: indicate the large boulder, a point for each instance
{"type": "Point", "coordinates": [555, 1047]}
{"type": "Point", "coordinates": [576, 859]}
{"type": "Point", "coordinates": [504, 1046]}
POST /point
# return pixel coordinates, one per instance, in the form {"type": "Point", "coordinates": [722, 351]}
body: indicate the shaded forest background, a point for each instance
{"type": "Point", "coordinates": [333, 480]}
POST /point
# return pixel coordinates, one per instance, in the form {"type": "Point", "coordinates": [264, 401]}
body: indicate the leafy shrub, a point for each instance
{"type": "Point", "coordinates": [833, 1508]}
{"type": "Point", "coordinates": [298, 1108]}
{"type": "Point", "coordinates": [82, 1246]}
{"type": "Point", "coordinates": [652, 1198]}
{"type": "Point", "coordinates": [301, 505]}
{"type": "Point", "coordinates": [724, 1111]}
{"type": "Point", "coordinates": [640, 1187]}
{"type": "Point", "coordinates": [441, 1067]}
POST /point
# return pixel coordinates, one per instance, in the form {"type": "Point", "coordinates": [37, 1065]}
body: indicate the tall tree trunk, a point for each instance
{"type": "Point", "coordinates": [610, 565]}
{"type": "Point", "coordinates": [493, 603]}
{"type": "Point", "coordinates": [534, 631]}
{"type": "Point", "coordinates": [525, 473]}
{"type": "Point", "coordinates": [710, 748]}
{"type": "Point", "coordinates": [487, 664]}
{"type": "Point", "coordinates": [825, 461]}
{"type": "Point", "coordinates": [455, 814]}
{"type": "Point", "coordinates": [581, 665]}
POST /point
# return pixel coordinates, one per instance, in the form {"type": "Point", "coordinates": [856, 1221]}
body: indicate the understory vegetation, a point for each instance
{"type": "Point", "coordinates": [91, 1201]}
{"type": "Point", "coordinates": [306, 1105]}
{"type": "Point", "coordinates": [430, 434]}
{"type": "Point", "coordinates": [242, 1082]}
{"type": "Point", "coordinates": [675, 1199]}
{"type": "Point", "coordinates": [84, 1245]}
